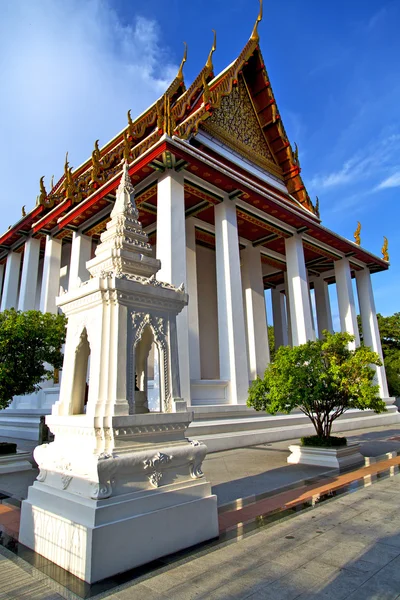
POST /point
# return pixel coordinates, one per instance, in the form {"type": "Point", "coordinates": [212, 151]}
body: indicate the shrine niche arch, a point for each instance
{"type": "Point", "coordinates": [80, 388]}
{"type": "Point", "coordinates": [147, 329]}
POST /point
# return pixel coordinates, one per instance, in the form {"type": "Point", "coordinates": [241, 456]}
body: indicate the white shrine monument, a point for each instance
{"type": "Point", "coordinates": [117, 489]}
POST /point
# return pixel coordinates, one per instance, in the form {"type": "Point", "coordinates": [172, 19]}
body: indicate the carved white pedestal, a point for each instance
{"type": "Point", "coordinates": [114, 511]}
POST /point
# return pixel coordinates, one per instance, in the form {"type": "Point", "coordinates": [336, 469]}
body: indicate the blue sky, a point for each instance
{"type": "Point", "coordinates": [71, 70]}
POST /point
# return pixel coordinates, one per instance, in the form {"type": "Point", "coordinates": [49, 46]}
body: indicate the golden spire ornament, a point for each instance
{"type": "Point", "coordinates": [206, 90]}
{"type": "Point", "coordinates": [127, 148]}
{"type": "Point", "coordinates": [255, 35]}
{"type": "Point", "coordinates": [184, 59]}
{"type": "Point", "coordinates": [317, 206]}
{"type": "Point", "coordinates": [23, 211]}
{"type": "Point", "coordinates": [357, 237]}
{"type": "Point", "coordinates": [130, 123]}
{"type": "Point", "coordinates": [209, 63]}
{"type": "Point", "coordinates": [43, 193]}
{"type": "Point", "coordinates": [385, 253]}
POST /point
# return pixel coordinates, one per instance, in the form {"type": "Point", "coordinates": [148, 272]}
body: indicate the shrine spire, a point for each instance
{"type": "Point", "coordinates": [125, 200]}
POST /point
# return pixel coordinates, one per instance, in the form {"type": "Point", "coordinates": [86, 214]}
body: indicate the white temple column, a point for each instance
{"type": "Point", "coordinates": [51, 275]}
{"type": "Point", "coordinates": [299, 298]}
{"type": "Point", "coordinates": [279, 316]}
{"type": "Point", "coordinates": [81, 253]}
{"type": "Point", "coordinates": [347, 307]}
{"type": "Point", "coordinates": [256, 316]}
{"type": "Point", "coordinates": [287, 309]}
{"type": "Point", "coordinates": [11, 281]}
{"type": "Point", "coordinates": [2, 268]}
{"type": "Point", "coordinates": [29, 278]}
{"type": "Point", "coordinates": [369, 324]}
{"type": "Point", "coordinates": [231, 326]}
{"type": "Point", "coordinates": [171, 250]}
{"type": "Point", "coordinates": [193, 306]}
{"type": "Point", "coordinates": [323, 306]}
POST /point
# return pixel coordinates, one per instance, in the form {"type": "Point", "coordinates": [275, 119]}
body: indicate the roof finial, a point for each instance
{"type": "Point", "coordinates": [180, 72]}
{"type": "Point", "coordinates": [255, 36]}
{"type": "Point", "coordinates": [206, 90]}
{"type": "Point", "coordinates": [357, 236]}
{"type": "Point", "coordinates": [317, 207]}
{"type": "Point", "coordinates": [43, 193]}
{"type": "Point", "coordinates": [385, 253]}
{"type": "Point", "coordinates": [209, 64]}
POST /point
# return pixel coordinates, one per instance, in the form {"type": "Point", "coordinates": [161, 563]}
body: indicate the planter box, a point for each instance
{"type": "Point", "coordinates": [340, 458]}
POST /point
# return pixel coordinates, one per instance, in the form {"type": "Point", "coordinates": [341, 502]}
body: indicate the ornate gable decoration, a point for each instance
{"type": "Point", "coordinates": [236, 124]}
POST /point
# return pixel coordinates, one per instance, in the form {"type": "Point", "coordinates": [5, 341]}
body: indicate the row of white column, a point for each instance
{"type": "Point", "coordinates": [243, 342]}
{"type": "Point", "coordinates": [20, 287]}
{"type": "Point", "coordinates": [293, 321]}
{"type": "Point", "coordinates": [242, 322]}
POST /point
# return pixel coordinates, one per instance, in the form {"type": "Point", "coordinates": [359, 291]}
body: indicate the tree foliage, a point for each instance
{"type": "Point", "coordinates": [322, 378]}
{"type": "Point", "coordinates": [389, 329]}
{"type": "Point", "coordinates": [30, 350]}
{"type": "Point", "coordinates": [271, 342]}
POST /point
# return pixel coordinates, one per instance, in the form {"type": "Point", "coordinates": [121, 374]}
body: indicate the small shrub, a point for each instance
{"type": "Point", "coordinates": [322, 378]}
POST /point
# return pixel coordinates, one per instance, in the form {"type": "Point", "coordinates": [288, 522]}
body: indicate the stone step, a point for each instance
{"type": "Point", "coordinates": [238, 433]}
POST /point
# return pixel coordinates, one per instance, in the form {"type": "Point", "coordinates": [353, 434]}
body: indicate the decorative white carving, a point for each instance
{"type": "Point", "coordinates": [155, 479]}
{"type": "Point", "coordinates": [158, 459]}
{"type": "Point", "coordinates": [42, 475]}
{"type": "Point", "coordinates": [101, 490]}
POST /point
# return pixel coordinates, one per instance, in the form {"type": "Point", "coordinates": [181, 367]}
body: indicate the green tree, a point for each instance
{"type": "Point", "coordinates": [271, 341]}
{"type": "Point", "coordinates": [389, 329]}
{"type": "Point", "coordinates": [30, 350]}
{"type": "Point", "coordinates": [322, 378]}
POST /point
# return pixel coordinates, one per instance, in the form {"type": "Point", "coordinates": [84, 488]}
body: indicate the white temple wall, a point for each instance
{"type": "Point", "coordinates": [39, 284]}
{"type": "Point", "coordinates": [208, 312]}
{"type": "Point", "coordinates": [65, 264]}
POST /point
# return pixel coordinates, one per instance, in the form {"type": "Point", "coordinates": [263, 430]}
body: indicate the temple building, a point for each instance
{"type": "Point", "coordinates": [219, 191]}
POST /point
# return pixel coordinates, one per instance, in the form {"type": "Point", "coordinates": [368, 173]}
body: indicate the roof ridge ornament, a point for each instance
{"type": "Point", "coordinates": [184, 59]}
{"type": "Point", "coordinates": [209, 63]}
{"type": "Point", "coordinates": [385, 253]}
{"type": "Point", "coordinates": [357, 236]}
{"type": "Point", "coordinates": [255, 35]}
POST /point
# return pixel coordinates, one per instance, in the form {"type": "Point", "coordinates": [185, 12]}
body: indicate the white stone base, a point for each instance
{"type": "Point", "coordinates": [334, 458]}
{"type": "Point", "coordinates": [11, 463]}
{"type": "Point", "coordinates": [97, 539]}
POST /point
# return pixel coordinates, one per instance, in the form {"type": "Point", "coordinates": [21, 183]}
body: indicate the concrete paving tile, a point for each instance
{"type": "Point", "coordinates": [342, 553]}
{"type": "Point", "coordinates": [376, 589]}
{"type": "Point", "coordinates": [137, 592]}
{"type": "Point", "coordinates": [292, 585]}
{"type": "Point", "coordinates": [381, 554]}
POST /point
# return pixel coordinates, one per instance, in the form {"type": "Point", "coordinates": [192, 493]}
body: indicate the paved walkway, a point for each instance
{"type": "Point", "coordinates": [347, 548]}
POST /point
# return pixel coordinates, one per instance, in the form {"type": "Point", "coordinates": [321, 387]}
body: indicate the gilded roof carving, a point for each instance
{"type": "Point", "coordinates": [236, 124]}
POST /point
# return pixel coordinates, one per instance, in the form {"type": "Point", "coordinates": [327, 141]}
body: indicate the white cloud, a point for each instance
{"type": "Point", "coordinates": [70, 72]}
{"type": "Point", "coordinates": [390, 182]}
{"type": "Point", "coordinates": [366, 164]}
